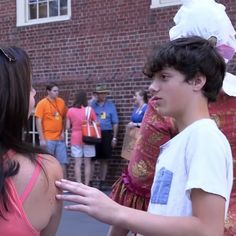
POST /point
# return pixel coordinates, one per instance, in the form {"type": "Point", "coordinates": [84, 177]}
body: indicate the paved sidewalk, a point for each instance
{"type": "Point", "coordinates": [79, 224]}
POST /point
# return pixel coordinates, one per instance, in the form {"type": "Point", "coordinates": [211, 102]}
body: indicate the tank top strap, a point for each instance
{"type": "Point", "coordinates": [9, 154]}
{"type": "Point", "coordinates": [33, 179]}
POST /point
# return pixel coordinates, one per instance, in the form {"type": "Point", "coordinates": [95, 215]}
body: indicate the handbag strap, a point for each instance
{"type": "Point", "coordinates": [87, 116]}
{"type": "Point", "coordinates": [87, 112]}
{"type": "Point", "coordinates": [96, 129]}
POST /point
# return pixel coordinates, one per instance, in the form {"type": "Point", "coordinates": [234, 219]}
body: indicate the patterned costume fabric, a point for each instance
{"type": "Point", "coordinates": [224, 113]}
{"type": "Point", "coordinates": [187, 23]}
{"type": "Point", "coordinates": [132, 189]}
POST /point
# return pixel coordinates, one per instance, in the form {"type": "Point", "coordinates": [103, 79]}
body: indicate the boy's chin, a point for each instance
{"type": "Point", "coordinates": [163, 112]}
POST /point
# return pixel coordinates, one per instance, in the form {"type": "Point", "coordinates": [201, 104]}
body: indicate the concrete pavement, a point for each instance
{"type": "Point", "coordinates": [79, 224]}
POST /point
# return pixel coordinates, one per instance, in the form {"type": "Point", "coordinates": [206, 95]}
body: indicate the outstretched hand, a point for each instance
{"type": "Point", "coordinates": [88, 200]}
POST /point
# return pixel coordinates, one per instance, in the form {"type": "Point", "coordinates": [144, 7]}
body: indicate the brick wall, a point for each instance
{"type": "Point", "coordinates": [105, 41]}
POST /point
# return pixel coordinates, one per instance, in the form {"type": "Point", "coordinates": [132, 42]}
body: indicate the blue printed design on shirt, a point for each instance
{"type": "Point", "coordinates": [161, 188]}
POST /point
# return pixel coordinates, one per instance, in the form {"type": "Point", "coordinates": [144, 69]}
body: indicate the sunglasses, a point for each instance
{"type": "Point", "coordinates": [9, 57]}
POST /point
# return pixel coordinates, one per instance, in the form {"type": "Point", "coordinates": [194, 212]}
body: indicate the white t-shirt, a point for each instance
{"type": "Point", "coordinates": [198, 157]}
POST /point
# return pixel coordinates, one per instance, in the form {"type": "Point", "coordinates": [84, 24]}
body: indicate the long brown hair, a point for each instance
{"type": "Point", "coordinates": [81, 99]}
{"type": "Point", "coordinates": [15, 86]}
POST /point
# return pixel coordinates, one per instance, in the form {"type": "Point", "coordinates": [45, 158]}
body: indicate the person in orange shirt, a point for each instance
{"type": "Point", "coordinates": [50, 114]}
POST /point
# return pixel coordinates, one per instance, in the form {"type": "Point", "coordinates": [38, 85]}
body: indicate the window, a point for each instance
{"type": "Point", "coordinates": [42, 11]}
{"type": "Point", "coordinates": [164, 3]}
{"type": "Point", "coordinates": [32, 134]}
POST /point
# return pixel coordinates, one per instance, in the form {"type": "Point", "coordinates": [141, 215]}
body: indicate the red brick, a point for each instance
{"type": "Point", "coordinates": [105, 41]}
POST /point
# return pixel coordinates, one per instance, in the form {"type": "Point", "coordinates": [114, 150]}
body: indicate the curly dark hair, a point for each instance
{"type": "Point", "coordinates": [190, 56]}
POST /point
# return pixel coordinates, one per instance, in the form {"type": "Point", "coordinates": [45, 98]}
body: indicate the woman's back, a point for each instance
{"type": "Point", "coordinates": [75, 118]}
{"type": "Point", "coordinates": [31, 203]}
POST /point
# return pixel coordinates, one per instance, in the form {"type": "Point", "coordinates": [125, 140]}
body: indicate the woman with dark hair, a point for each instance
{"type": "Point", "coordinates": [79, 112]}
{"type": "Point", "coordinates": [140, 100]}
{"type": "Point", "coordinates": [24, 169]}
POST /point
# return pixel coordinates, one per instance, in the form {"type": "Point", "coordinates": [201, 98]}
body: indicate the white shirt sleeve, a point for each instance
{"type": "Point", "coordinates": [209, 157]}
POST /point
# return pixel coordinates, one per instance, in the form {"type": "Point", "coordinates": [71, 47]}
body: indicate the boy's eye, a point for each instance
{"type": "Point", "coordinates": [164, 77]}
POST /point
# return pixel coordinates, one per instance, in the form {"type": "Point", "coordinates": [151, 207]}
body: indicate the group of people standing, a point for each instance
{"type": "Point", "coordinates": [53, 119]}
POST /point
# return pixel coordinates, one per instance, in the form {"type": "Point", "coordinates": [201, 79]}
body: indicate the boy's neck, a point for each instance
{"type": "Point", "coordinates": [195, 113]}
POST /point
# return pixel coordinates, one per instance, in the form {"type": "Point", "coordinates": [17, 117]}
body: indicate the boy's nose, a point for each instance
{"type": "Point", "coordinates": [152, 88]}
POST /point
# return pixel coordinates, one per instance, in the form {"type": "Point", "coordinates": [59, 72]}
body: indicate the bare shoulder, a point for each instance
{"type": "Point", "coordinates": [51, 170]}
{"type": "Point", "coordinates": [44, 215]}
{"type": "Point", "coordinates": [48, 209]}
{"type": "Point", "coordinates": [52, 166]}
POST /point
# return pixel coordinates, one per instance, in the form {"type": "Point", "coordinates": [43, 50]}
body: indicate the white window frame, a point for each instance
{"type": "Point", "coordinates": [34, 131]}
{"type": "Point", "coordinates": [22, 15]}
{"type": "Point", "coordinates": [165, 3]}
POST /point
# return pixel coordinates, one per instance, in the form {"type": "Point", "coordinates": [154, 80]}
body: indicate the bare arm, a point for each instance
{"type": "Point", "coordinates": [64, 127]}
{"type": "Point", "coordinates": [115, 132]}
{"type": "Point", "coordinates": [68, 123]}
{"type": "Point", "coordinates": [52, 226]}
{"type": "Point", "coordinates": [40, 130]}
{"type": "Point", "coordinates": [207, 219]}
{"type": "Point", "coordinates": [68, 126]}
{"type": "Point", "coordinates": [54, 171]}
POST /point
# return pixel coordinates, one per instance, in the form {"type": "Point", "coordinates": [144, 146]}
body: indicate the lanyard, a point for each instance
{"type": "Point", "coordinates": [55, 106]}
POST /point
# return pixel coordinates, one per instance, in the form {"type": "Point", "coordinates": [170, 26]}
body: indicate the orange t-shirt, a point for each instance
{"type": "Point", "coordinates": [52, 113]}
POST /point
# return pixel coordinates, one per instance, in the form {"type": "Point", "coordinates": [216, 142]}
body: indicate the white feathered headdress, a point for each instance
{"type": "Point", "coordinates": [207, 18]}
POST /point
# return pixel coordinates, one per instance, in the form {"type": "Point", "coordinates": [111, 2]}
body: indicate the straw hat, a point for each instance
{"type": "Point", "coordinates": [101, 89]}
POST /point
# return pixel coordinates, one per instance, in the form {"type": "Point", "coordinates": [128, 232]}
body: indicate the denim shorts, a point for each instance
{"type": "Point", "coordinates": [85, 150]}
{"type": "Point", "coordinates": [58, 149]}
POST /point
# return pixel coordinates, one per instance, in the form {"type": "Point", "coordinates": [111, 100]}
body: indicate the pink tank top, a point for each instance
{"type": "Point", "coordinates": [17, 223]}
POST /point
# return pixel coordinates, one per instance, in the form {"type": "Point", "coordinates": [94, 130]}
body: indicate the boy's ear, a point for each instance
{"type": "Point", "coordinates": [199, 81]}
